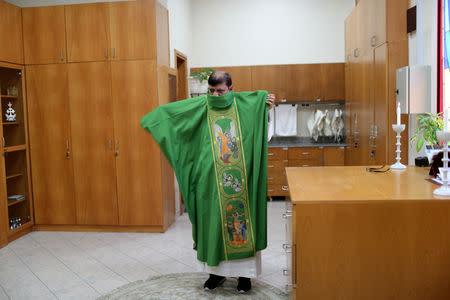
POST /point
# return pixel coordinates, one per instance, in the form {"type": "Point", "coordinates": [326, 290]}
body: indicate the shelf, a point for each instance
{"type": "Point", "coordinates": [14, 202]}
{"type": "Point", "coordinates": [18, 229]}
{"type": "Point", "coordinates": [11, 123]}
{"type": "Point", "coordinates": [9, 97]}
{"type": "Point", "coordinates": [15, 148]}
{"type": "Point", "coordinates": [13, 176]}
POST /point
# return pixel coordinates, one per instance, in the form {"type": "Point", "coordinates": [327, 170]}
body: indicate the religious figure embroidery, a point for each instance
{"type": "Point", "coordinates": [225, 133]}
{"type": "Point", "coordinates": [237, 225]}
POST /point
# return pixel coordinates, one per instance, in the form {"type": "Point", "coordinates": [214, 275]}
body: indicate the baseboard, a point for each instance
{"type": "Point", "coordinates": [99, 228]}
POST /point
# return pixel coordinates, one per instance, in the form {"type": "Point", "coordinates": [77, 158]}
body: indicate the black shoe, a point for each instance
{"type": "Point", "coordinates": [244, 284]}
{"type": "Point", "coordinates": [213, 281]}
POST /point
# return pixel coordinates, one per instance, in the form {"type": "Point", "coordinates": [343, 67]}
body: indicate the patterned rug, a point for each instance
{"type": "Point", "coordinates": [190, 286]}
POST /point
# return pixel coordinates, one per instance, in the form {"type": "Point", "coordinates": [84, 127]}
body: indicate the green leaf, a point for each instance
{"type": "Point", "coordinates": [419, 144]}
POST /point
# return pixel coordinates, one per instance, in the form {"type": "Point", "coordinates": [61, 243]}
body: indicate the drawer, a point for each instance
{"type": "Point", "coordinates": [277, 153]}
{"type": "Point", "coordinates": [276, 179]}
{"type": "Point", "coordinates": [276, 165]}
{"type": "Point", "coordinates": [277, 190]}
{"type": "Point", "coordinates": [305, 153]}
{"type": "Point", "coordinates": [317, 162]}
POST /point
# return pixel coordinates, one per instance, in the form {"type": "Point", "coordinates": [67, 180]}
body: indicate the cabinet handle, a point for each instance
{"type": "Point", "coordinates": [270, 154]}
{"type": "Point", "coordinates": [110, 144]}
{"type": "Point", "coordinates": [285, 188]}
{"type": "Point", "coordinates": [106, 52]}
{"type": "Point", "coordinates": [305, 165]}
{"type": "Point", "coordinates": [287, 248]}
{"type": "Point", "coordinates": [356, 52]}
{"type": "Point", "coordinates": [67, 149]}
{"type": "Point", "coordinates": [305, 153]}
{"type": "Point", "coordinates": [4, 143]}
{"type": "Point", "coordinates": [117, 148]}
{"type": "Point", "coordinates": [286, 215]}
{"type": "Point", "coordinates": [114, 52]}
{"type": "Point", "coordinates": [373, 41]}
{"type": "Point", "coordinates": [285, 272]}
{"type": "Point", "coordinates": [270, 178]}
{"type": "Point", "coordinates": [271, 190]}
{"type": "Point", "coordinates": [62, 55]}
{"type": "Point", "coordinates": [270, 166]}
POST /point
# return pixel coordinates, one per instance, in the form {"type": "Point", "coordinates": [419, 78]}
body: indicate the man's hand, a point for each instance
{"type": "Point", "coordinates": [270, 100]}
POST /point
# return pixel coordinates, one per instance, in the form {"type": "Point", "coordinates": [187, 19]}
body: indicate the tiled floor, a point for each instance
{"type": "Point", "coordinates": [85, 265]}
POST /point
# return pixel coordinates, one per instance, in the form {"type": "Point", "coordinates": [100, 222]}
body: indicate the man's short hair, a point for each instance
{"type": "Point", "coordinates": [218, 77]}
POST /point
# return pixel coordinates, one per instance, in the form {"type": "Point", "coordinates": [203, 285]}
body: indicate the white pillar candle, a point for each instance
{"type": "Point", "coordinates": [398, 113]}
{"type": "Point", "coordinates": [445, 119]}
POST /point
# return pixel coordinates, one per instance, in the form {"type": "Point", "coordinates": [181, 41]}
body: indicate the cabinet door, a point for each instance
{"type": "Point", "coordinates": [332, 81]}
{"type": "Point", "coordinates": [334, 156]}
{"type": "Point", "coordinates": [91, 116]}
{"type": "Point", "coordinates": [138, 160]}
{"type": "Point", "coordinates": [11, 49]}
{"type": "Point", "coordinates": [3, 197]}
{"type": "Point", "coordinates": [241, 77]}
{"type": "Point", "coordinates": [87, 27]}
{"type": "Point", "coordinates": [132, 25]}
{"type": "Point", "coordinates": [49, 133]}
{"type": "Point", "coordinates": [44, 35]}
{"type": "Point", "coordinates": [271, 79]}
{"type": "Point", "coordinates": [303, 82]}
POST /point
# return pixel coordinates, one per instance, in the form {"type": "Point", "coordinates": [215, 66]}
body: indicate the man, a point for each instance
{"type": "Point", "coordinates": [217, 145]}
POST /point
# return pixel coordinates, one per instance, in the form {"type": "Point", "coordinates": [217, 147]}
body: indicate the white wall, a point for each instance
{"type": "Point", "coordinates": [260, 32]}
{"type": "Point", "coordinates": [180, 26]}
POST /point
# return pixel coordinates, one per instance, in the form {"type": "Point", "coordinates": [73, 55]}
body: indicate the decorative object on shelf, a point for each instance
{"type": "Point", "coordinates": [15, 222]}
{"type": "Point", "coordinates": [198, 82]}
{"type": "Point", "coordinates": [398, 128]}
{"type": "Point", "coordinates": [10, 114]}
{"type": "Point", "coordinates": [16, 197]}
{"type": "Point", "coordinates": [12, 91]}
{"type": "Point", "coordinates": [444, 136]}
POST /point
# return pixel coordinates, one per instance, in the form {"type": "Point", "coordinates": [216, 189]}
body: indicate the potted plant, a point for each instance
{"type": "Point", "coordinates": [198, 81]}
{"type": "Point", "coordinates": [426, 131]}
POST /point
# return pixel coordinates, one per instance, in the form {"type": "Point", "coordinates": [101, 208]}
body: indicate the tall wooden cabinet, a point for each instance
{"type": "Point", "coordinates": [93, 165]}
{"type": "Point", "coordinates": [16, 202]}
{"type": "Point", "coordinates": [51, 144]}
{"type": "Point", "coordinates": [376, 44]}
{"type": "Point", "coordinates": [93, 144]}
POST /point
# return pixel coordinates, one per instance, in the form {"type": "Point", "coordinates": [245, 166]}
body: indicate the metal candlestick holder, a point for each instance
{"type": "Point", "coordinates": [444, 190]}
{"type": "Point", "coordinates": [398, 165]}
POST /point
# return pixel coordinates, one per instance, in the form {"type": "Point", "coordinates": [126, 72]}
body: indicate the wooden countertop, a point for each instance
{"type": "Point", "coordinates": [355, 184]}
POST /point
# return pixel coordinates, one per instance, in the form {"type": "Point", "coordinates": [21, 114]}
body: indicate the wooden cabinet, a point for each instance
{"type": "Point", "coordinates": [44, 35]}
{"type": "Point", "coordinates": [334, 156]}
{"type": "Point", "coordinates": [11, 49]}
{"type": "Point", "coordinates": [271, 79]}
{"type": "Point", "coordinates": [16, 202]}
{"type": "Point", "coordinates": [303, 82]}
{"type": "Point", "coordinates": [332, 81]}
{"type": "Point", "coordinates": [87, 28]}
{"type": "Point", "coordinates": [280, 158]}
{"type": "Point", "coordinates": [375, 47]}
{"type": "Point", "coordinates": [133, 88]}
{"type": "Point", "coordinates": [93, 143]}
{"type": "Point", "coordinates": [132, 25]}
{"type": "Point", "coordinates": [50, 144]}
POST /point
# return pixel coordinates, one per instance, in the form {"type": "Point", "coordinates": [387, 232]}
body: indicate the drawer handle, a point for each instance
{"type": "Point", "coordinates": [270, 154]}
{"type": "Point", "coordinates": [270, 166]}
{"type": "Point", "coordinates": [285, 188]}
{"type": "Point", "coordinates": [287, 248]}
{"type": "Point", "coordinates": [271, 190]}
{"type": "Point", "coordinates": [285, 272]}
{"type": "Point", "coordinates": [270, 178]}
{"type": "Point", "coordinates": [305, 153]}
{"type": "Point", "coordinates": [305, 165]}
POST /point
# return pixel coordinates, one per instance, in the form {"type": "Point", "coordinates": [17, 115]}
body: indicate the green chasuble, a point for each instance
{"type": "Point", "coordinates": [217, 146]}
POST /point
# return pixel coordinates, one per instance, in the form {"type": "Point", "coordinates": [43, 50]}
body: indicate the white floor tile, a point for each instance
{"type": "Point", "coordinates": [73, 291]}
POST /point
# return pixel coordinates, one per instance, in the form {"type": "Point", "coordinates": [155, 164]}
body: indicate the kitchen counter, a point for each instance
{"type": "Point", "coordinates": [362, 235]}
{"type": "Point", "coordinates": [290, 142]}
